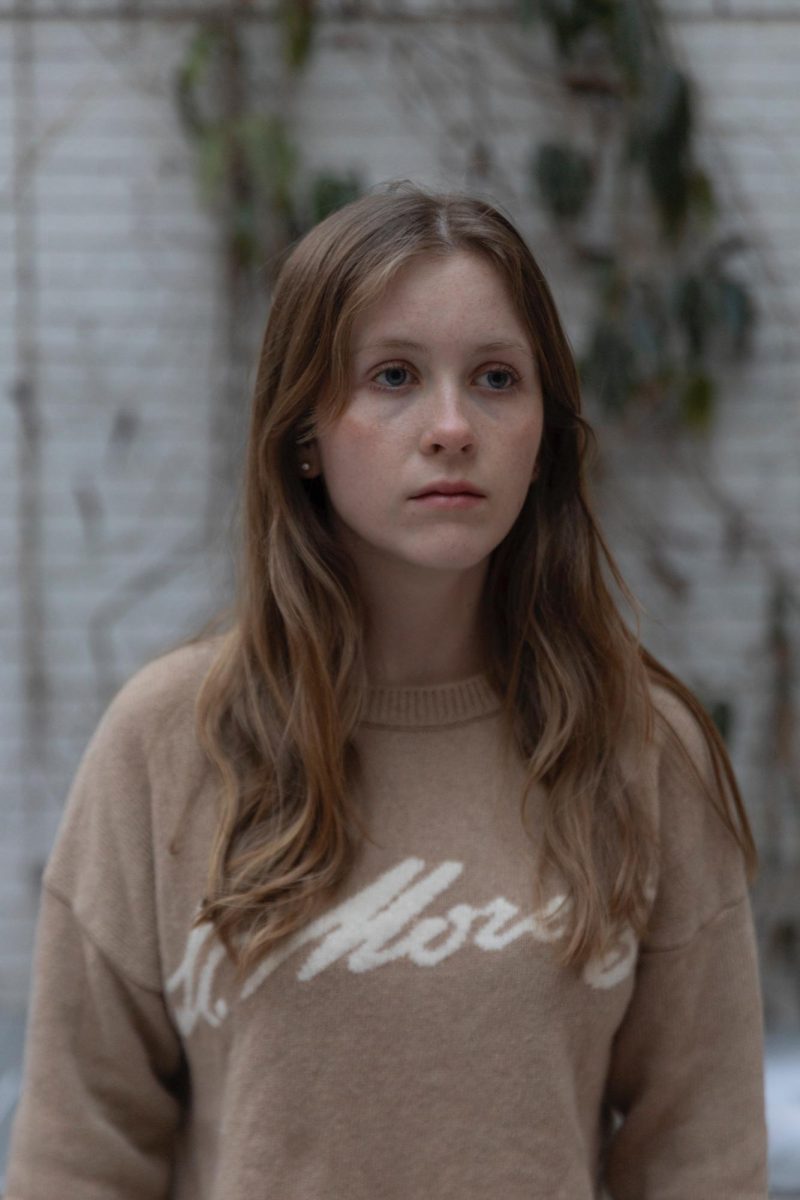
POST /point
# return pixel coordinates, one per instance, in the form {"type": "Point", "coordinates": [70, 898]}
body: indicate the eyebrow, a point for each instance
{"type": "Point", "coordinates": [405, 344]}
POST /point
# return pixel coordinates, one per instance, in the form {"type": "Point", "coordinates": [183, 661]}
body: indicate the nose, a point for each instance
{"type": "Point", "coordinates": [448, 425]}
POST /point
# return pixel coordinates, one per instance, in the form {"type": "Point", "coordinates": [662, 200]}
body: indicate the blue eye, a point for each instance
{"type": "Point", "coordinates": [396, 375]}
{"type": "Point", "coordinates": [501, 371]}
{"type": "Point", "coordinates": [390, 371]}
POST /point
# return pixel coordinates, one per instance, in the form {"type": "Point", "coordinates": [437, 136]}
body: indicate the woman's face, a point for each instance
{"type": "Point", "coordinates": [443, 386]}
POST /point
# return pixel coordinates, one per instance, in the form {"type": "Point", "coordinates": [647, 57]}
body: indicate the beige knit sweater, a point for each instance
{"type": "Point", "coordinates": [415, 1041]}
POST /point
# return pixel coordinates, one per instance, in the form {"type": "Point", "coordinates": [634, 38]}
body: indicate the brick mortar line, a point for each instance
{"type": "Point", "coordinates": [503, 16]}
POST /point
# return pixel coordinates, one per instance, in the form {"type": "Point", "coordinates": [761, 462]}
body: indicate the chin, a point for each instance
{"type": "Point", "coordinates": [453, 561]}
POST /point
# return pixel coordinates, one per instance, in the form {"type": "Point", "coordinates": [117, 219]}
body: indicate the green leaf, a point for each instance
{"type": "Point", "coordinates": [212, 159]}
{"type": "Point", "coordinates": [697, 401]}
{"type": "Point", "coordinates": [690, 303]}
{"type": "Point", "coordinates": [701, 195]}
{"type": "Point", "coordinates": [198, 57]}
{"type": "Point", "coordinates": [570, 19]}
{"type": "Point", "coordinates": [737, 313]}
{"type": "Point", "coordinates": [665, 127]}
{"type": "Point", "coordinates": [647, 318]}
{"type": "Point", "coordinates": [271, 156]}
{"type": "Point", "coordinates": [330, 192]}
{"type": "Point", "coordinates": [243, 233]}
{"type": "Point", "coordinates": [629, 38]}
{"type": "Point", "coordinates": [189, 76]}
{"type": "Point", "coordinates": [297, 17]}
{"type": "Point", "coordinates": [609, 367]}
{"type": "Point", "coordinates": [564, 177]}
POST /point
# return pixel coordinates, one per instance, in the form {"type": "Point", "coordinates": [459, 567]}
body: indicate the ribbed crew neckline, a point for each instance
{"type": "Point", "coordinates": [415, 706]}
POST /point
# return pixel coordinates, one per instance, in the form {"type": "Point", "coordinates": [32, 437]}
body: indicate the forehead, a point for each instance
{"type": "Point", "coordinates": [461, 295]}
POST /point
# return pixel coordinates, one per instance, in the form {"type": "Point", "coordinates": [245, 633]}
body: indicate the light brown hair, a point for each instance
{"type": "Point", "coordinates": [280, 704]}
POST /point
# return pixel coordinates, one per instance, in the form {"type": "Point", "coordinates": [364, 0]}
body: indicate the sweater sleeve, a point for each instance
{"type": "Point", "coordinates": [686, 1077]}
{"type": "Point", "coordinates": [105, 1071]}
{"type": "Point", "coordinates": [687, 1072]}
{"type": "Point", "coordinates": [102, 1080]}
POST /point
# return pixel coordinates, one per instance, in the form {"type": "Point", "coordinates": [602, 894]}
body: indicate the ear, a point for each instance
{"type": "Point", "coordinates": [308, 460]}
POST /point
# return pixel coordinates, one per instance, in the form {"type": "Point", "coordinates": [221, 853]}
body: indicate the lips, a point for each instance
{"type": "Point", "coordinates": [444, 488]}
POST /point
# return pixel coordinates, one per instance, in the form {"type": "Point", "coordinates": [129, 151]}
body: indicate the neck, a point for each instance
{"type": "Point", "coordinates": [424, 628]}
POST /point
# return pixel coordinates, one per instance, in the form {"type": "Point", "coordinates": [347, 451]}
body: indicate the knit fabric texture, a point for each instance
{"type": "Point", "coordinates": [417, 1039]}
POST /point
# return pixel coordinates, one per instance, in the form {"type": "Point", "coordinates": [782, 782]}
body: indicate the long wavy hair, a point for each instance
{"type": "Point", "coordinates": [280, 704]}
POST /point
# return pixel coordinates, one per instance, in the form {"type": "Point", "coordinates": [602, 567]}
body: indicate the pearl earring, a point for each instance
{"type": "Point", "coordinates": [305, 466]}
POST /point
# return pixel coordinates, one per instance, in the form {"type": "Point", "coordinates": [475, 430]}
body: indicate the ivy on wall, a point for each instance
{"type": "Point", "coordinates": [669, 306]}
{"type": "Point", "coordinates": [250, 165]}
{"type": "Point", "coordinates": [631, 200]}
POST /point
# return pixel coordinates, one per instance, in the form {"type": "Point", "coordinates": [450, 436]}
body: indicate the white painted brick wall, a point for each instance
{"type": "Point", "coordinates": [130, 311]}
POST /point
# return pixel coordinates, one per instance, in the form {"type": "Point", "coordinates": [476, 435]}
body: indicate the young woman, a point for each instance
{"type": "Point", "coordinates": [422, 878]}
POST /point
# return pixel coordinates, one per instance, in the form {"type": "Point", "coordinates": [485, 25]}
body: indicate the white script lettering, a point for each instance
{"type": "Point", "coordinates": [361, 930]}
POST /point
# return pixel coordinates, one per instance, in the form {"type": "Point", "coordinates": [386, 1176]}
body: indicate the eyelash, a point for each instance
{"type": "Point", "coordinates": [515, 378]}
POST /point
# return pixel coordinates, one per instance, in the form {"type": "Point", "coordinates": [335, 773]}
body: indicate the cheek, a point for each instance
{"type": "Point", "coordinates": [359, 441]}
{"type": "Point", "coordinates": [344, 447]}
{"type": "Point", "coordinates": [525, 442]}
{"type": "Point", "coordinates": [358, 461]}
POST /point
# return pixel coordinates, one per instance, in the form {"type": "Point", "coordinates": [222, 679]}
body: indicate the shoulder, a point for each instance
{"type": "Point", "coordinates": [139, 765]}
{"type": "Point", "coordinates": [701, 863]}
{"type": "Point", "coordinates": [674, 716]}
{"type": "Point", "coordinates": [159, 699]}
{"type": "Point", "coordinates": [143, 754]}
{"type": "Point", "coordinates": [685, 756]}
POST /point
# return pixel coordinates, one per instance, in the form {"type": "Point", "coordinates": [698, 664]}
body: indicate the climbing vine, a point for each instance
{"type": "Point", "coordinates": [629, 198]}
{"type": "Point", "coordinates": [669, 306]}
{"type": "Point", "coordinates": [250, 166]}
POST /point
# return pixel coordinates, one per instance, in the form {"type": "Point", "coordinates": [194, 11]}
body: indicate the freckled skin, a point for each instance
{"type": "Point", "coordinates": [448, 411]}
